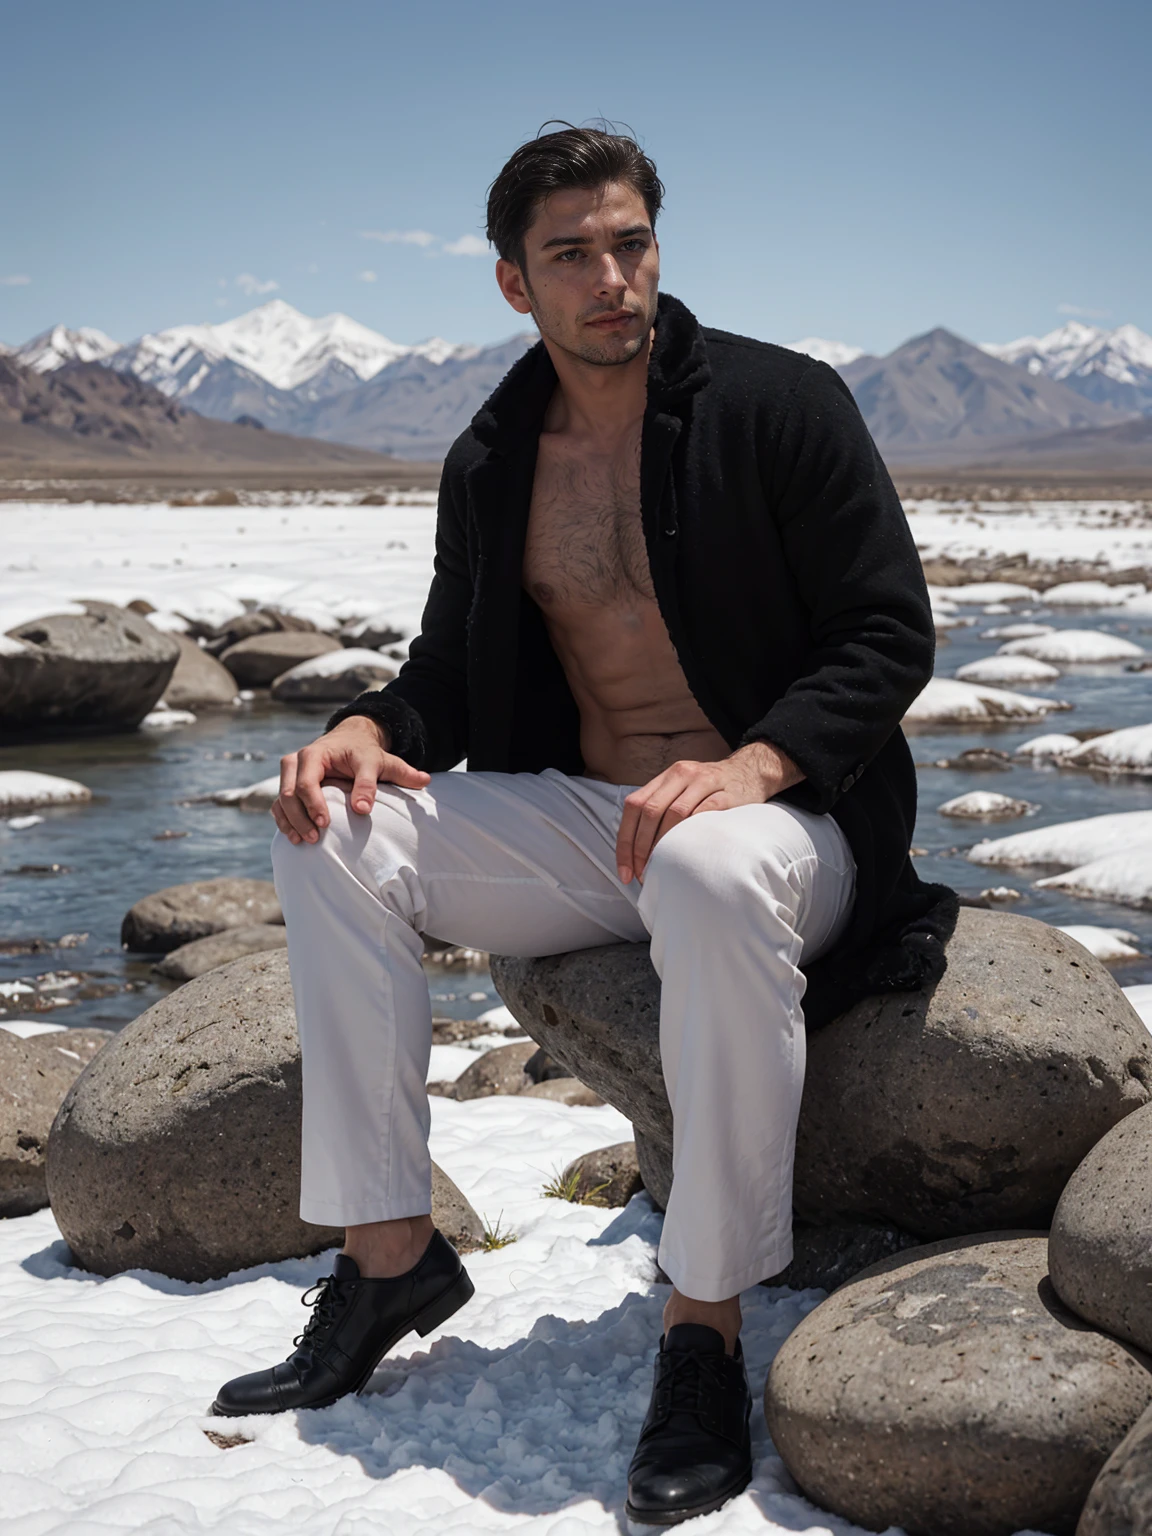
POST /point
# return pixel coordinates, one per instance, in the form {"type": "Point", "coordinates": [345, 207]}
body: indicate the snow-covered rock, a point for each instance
{"type": "Point", "coordinates": [1003, 670]}
{"type": "Point", "coordinates": [334, 677]}
{"type": "Point", "coordinates": [163, 718]}
{"type": "Point", "coordinates": [22, 823]}
{"type": "Point", "coordinates": [986, 804]}
{"type": "Point", "coordinates": [982, 592]}
{"type": "Point", "coordinates": [1054, 744]}
{"type": "Point", "coordinates": [1124, 751]}
{"type": "Point", "coordinates": [1107, 944]}
{"type": "Point", "coordinates": [21, 789]}
{"type": "Point", "coordinates": [1074, 647]}
{"type": "Point", "coordinates": [1070, 843]}
{"type": "Point", "coordinates": [1021, 631]}
{"type": "Point", "coordinates": [249, 797]}
{"type": "Point", "coordinates": [1121, 877]}
{"type": "Point", "coordinates": [1091, 594]}
{"type": "Point", "coordinates": [948, 702]}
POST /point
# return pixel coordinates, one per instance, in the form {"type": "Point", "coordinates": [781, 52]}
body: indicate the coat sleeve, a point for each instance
{"type": "Point", "coordinates": [851, 555]}
{"type": "Point", "coordinates": [425, 708]}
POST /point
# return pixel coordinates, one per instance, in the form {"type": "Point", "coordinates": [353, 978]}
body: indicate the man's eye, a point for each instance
{"type": "Point", "coordinates": [564, 255]}
{"type": "Point", "coordinates": [633, 245]}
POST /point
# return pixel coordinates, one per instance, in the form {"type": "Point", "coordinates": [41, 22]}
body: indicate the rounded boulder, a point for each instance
{"type": "Point", "coordinates": [199, 681]}
{"type": "Point", "coordinates": [1101, 1242]}
{"type": "Point", "coordinates": [258, 660]}
{"type": "Point", "coordinates": [100, 670]}
{"type": "Point", "coordinates": [958, 1109]}
{"type": "Point", "coordinates": [947, 1391]}
{"type": "Point", "coordinates": [33, 1081]}
{"type": "Point", "coordinates": [179, 914]}
{"type": "Point", "coordinates": [178, 1147]}
{"type": "Point", "coordinates": [192, 960]}
{"type": "Point", "coordinates": [1120, 1503]}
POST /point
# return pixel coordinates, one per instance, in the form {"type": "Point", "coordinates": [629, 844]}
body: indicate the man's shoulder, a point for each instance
{"type": "Point", "coordinates": [736, 357]}
{"type": "Point", "coordinates": [465, 452]}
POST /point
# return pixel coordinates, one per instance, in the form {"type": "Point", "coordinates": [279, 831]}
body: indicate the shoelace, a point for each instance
{"type": "Point", "coordinates": [327, 1303]}
{"type": "Point", "coordinates": [700, 1385]}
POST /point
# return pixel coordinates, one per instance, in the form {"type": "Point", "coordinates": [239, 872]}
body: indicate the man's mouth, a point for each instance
{"type": "Point", "coordinates": [614, 322]}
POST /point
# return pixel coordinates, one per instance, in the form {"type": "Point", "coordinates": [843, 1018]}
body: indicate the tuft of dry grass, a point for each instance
{"type": "Point", "coordinates": [495, 1237]}
{"type": "Point", "coordinates": [560, 1188]}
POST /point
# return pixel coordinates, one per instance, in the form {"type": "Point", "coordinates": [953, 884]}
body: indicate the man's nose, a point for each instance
{"type": "Point", "coordinates": [608, 274]}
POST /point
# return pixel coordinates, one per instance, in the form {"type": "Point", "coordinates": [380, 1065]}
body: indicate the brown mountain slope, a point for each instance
{"type": "Point", "coordinates": [938, 397]}
{"type": "Point", "coordinates": [89, 414]}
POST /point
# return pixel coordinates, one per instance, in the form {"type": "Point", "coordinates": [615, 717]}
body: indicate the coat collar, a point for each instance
{"type": "Point", "coordinates": [677, 368]}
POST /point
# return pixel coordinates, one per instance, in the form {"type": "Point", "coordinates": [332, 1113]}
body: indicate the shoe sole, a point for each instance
{"type": "Point", "coordinates": [449, 1301]}
{"type": "Point", "coordinates": [687, 1512]}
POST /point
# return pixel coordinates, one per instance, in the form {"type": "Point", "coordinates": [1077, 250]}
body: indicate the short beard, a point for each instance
{"type": "Point", "coordinates": [590, 353]}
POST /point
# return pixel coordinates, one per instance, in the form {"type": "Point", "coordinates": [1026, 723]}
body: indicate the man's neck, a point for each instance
{"type": "Point", "coordinates": [593, 400]}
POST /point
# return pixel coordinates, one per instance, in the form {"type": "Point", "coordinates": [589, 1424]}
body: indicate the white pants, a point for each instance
{"type": "Point", "coordinates": [525, 864]}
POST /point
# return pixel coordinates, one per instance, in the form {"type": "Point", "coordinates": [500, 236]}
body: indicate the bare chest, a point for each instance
{"type": "Point", "coordinates": [585, 543]}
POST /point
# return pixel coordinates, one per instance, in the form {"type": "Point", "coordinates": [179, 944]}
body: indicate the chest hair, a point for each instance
{"type": "Point", "coordinates": [585, 539]}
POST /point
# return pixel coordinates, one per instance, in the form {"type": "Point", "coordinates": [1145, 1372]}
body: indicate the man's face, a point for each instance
{"type": "Point", "coordinates": [590, 275]}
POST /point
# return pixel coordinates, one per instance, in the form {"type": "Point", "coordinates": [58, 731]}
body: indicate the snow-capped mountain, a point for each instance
{"type": "Point", "coordinates": [53, 349]}
{"type": "Point", "coordinates": [836, 353]}
{"type": "Point", "coordinates": [1114, 367]}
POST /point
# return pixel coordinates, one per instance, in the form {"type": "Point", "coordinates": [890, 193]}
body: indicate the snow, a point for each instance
{"type": "Point", "coordinates": [1007, 669]}
{"type": "Point", "coordinates": [1125, 751]}
{"type": "Point", "coordinates": [22, 823]}
{"type": "Point", "coordinates": [333, 562]}
{"type": "Point", "coordinates": [1074, 647]}
{"type": "Point", "coordinates": [520, 1414]}
{"type": "Point", "coordinates": [836, 353]}
{"type": "Point", "coordinates": [1108, 944]}
{"type": "Point", "coordinates": [981, 592]}
{"type": "Point", "coordinates": [20, 787]}
{"type": "Point", "coordinates": [985, 802]}
{"type": "Point", "coordinates": [1111, 535]}
{"type": "Point", "coordinates": [59, 345]}
{"type": "Point", "coordinates": [10, 647]}
{"type": "Point", "coordinates": [1091, 594]}
{"type": "Point", "coordinates": [332, 663]}
{"type": "Point", "coordinates": [1017, 631]}
{"type": "Point", "coordinates": [27, 1028]}
{"type": "Point", "coordinates": [1070, 843]}
{"type": "Point", "coordinates": [1122, 877]}
{"type": "Point", "coordinates": [945, 702]}
{"type": "Point", "coordinates": [1053, 745]}
{"type": "Point", "coordinates": [1076, 349]}
{"type": "Point", "coordinates": [1141, 999]}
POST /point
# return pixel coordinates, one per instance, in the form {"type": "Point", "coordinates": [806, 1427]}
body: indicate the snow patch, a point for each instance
{"type": "Point", "coordinates": [986, 803]}
{"type": "Point", "coordinates": [948, 702]}
{"type": "Point", "coordinates": [1124, 751]}
{"type": "Point", "coordinates": [1106, 944]}
{"type": "Point", "coordinates": [1007, 669]}
{"type": "Point", "coordinates": [1053, 745]}
{"type": "Point", "coordinates": [1074, 647]}
{"type": "Point", "coordinates": [21, 787]}
{"type": "Point", "coordinates": [1071, 843]}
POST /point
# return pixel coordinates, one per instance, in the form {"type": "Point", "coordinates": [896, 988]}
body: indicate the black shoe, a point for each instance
{"type": "Point", "coordinates": [695, 1450]}
{"type": "Point", "coordinates": [354, 1323]}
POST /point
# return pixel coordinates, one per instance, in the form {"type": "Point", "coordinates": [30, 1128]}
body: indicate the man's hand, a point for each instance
{"type": "Point", "coordinates": [358, 750]}
{"type": "Point", "coordinates": [750, 776]}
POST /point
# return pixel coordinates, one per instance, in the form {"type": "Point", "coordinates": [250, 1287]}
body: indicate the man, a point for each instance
{"type": "Point", "coordinates": [675, 620]}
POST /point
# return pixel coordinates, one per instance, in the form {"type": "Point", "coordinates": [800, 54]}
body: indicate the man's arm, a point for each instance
{"type": "Point", "coordinates": [416, 723]}
{"type": "Point", "coordinates": [852, 556]}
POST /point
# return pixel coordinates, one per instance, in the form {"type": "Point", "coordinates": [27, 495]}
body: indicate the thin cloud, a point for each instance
{"type": "Point", "coordinates": [467, 245]}
{"type": "Point", "coordinates": [1084, 314]}
{"type": "Point", "coordinates": [421, 237]}
{"type": "Point", "coordinates": [253, 285]}
{"type": "Point", "coordinates": [366, 276]}
{"type": "Point", "coordinates": [17, 280]}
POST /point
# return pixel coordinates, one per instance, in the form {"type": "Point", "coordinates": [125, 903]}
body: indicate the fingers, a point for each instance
{"type": "Point", "coordinates": [397, 771]}
{"type": "Point", "coordinates": [297, 825]}
{"type": "Point", "coordinates": [311, 766]}
{"type": "Point", "coordinates": [643, 811]}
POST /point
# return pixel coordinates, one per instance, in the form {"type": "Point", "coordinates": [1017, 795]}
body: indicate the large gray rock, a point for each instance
{"type": "Point", "coordinates": [956, 1110]}
{"type": "Point", "coordinates": [610, 1176]}
{"type": "Point", "coordinates": [33, 1081]}
{"type": "Point", "coordinates": [1100, 1250]}
{"type": "Point", "coordinates": [79, 1045]}
{"type": "Point", "coordinates": [332, 684]}
{"type": "Point", "coordinates": [199, 681]}
{"type": "Point", "coordinates": [1120, 1503]}
{"type": "Point", "coordinates": [101, 670]}
{"type": "Point", "coordinates": [500, 1070]}
{"type": "Point", "coordinates": [178, 1148]}
{"type": "Point", "coordinates": [825, 1258]}
{"type": "Point", "coordinates": [259, 660]}
{"type": "Point", "coordinates": [947, 1391]}
{"type": "Point", "coordinates": [192, 960]}
{"type": "Point", "coordinates": [181, 913]}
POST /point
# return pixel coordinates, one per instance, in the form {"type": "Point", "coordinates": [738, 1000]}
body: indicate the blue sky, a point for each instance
{"type": "Point", "coordinates": [857, 169]}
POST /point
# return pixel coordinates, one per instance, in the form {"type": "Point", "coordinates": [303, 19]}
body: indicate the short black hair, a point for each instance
{"type": "Point", "coordinates": [557, 162]}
